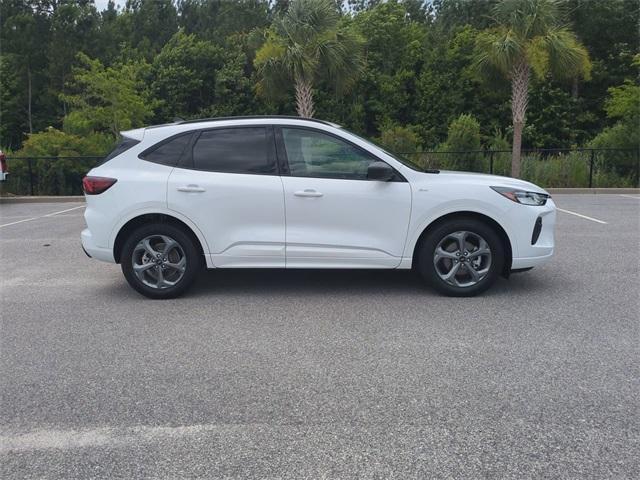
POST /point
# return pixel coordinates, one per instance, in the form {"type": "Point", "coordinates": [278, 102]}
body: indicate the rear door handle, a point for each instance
{"type": "Point", "coordinates": [191, 188]}
{"type": "Point", "coordinates": [308, 192]}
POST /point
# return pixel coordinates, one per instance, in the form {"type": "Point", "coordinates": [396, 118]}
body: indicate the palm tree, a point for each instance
{"type": "Point", "coordinates": [529, 37]}
{"type": "Point", "coordinates": [304, 45]}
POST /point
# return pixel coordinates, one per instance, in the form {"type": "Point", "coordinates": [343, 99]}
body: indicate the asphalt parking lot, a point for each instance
{"type": "Point", "coordinates": [316, 374]}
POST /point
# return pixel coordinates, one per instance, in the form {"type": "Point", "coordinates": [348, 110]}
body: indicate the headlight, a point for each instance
{"type": "Point", "coordinates": [523, 197]}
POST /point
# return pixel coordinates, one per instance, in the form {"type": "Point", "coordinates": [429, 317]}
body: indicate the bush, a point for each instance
{"type": "Point", "coordinates": [55, 175]}
{"type": "Point", "coordinates": [399, 139]}
{"type": "Point", "coordinates": [463, 136]}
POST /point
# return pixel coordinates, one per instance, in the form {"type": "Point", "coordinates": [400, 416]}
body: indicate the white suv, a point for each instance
{"type": "Point", "coordinates": [279, 192]}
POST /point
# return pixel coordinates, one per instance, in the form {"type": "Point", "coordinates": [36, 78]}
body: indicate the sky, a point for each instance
{"type": "Point", "coordinates": [102, 4]}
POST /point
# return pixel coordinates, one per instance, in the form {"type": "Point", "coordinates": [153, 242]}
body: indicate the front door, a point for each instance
{"type": "Point", "coordinates": [335, 217]}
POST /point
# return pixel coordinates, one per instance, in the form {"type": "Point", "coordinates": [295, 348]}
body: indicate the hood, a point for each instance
{"type": "Point", "coordinates": [489, 180]}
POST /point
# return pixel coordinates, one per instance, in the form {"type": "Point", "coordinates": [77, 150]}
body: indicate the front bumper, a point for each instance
{"type": "Point", "coordinates": [528, 254]}
{"type": "Point", "coordinates": [89, 247]}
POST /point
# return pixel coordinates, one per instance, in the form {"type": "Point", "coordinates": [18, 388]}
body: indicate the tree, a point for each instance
{"type": "Point", "coordinates": [73, 29]}
{"type": "Point", "coordinates": [303, 44]}
{"type": "Point", "coordinates": [449, 85]}
{"type": "Point", "coordinates": [623, 107]}
{"type": "Point", "coordinates": [394, 45]}
{"type": "Point", "coordinates": [529, 37]}
{"type": "Point", "coordinates": [24, 32]}
{"type": "Point", "coordinates": [192, 76]}
{"type": "Point", "coordinates": [106, 99]}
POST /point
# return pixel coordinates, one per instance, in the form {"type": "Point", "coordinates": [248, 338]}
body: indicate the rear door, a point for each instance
{"type": "Point", "coordinates": [228, 185]}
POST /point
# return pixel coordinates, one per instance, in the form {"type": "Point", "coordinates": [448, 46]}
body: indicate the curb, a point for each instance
{"type": "Point", "coordinates": [593, 190]}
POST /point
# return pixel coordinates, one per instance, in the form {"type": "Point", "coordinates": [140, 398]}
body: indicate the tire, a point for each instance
{"type": "Point", "coordinates": [449, 270]}
{"type": "Point", "coordinates": [172, 273]}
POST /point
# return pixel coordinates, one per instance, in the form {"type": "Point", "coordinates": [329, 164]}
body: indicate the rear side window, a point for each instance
{"type": "Point", "coordinates": [235, 150]}
{"type": "Point", "coordinates": [167, 152]}
{"type": "Point", "coordinates": [124, 145]}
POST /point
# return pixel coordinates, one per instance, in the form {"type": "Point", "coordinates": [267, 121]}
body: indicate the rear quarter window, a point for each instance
{"type": "Point", "coordinates": [123, 145]}
{"type": "Point", "coordinates": [169, 151]}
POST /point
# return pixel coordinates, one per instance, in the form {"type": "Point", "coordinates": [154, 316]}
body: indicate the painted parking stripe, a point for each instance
{"type": "Point", "coordinates": [629, 196]}
{"type": "Point", "coordinates": [63, 211]}
{"type": "Point", "coordinates": [41, 216]}
{"type": "Point", "coordinates": [581, 216]}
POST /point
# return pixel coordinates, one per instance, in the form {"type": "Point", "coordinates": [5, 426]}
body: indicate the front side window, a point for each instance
{"type": "Point", "coordinates": [314, 154]}
{"type": "Point", "coordinates": [169, 151]}
{"type": "Point", "coordinates": [234, 150]}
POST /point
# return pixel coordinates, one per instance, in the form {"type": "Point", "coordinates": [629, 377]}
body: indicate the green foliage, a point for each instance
{"type": "Point", "coordinates": [394, 46]}
{"type": "Point", "coordinates": [572, 170]}
{"type": "Point", "coordinates": [196, 78]}
{"type": "Point", "coordinates": [52, 142]}
{"type": "Point", "coordinates": [416, 75]}
{"type": "Point", "coordinates": [531, 31]}
{"type": "Point", "coordinates": [623, 107]}
{"type": "Point", "coordinates": [305, 45]}
{"type": "Point", "coordinates": [463, 136]}
{"type": "Point", "coordinates": [56, 176]}
{"type": "Point", "coordinates": [401, 140]}
{"type": "Point", "coordinates": [449, 86]}
{"type": "Point", "coordinates": [107, 99]}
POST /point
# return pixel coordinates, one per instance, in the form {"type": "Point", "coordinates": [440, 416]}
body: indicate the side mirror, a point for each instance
{"type": "Point", "coordinates": [380, 171]}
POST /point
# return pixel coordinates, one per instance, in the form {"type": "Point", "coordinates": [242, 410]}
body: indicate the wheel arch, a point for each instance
{"type": "Point", "coordinates": [506, 242]}
{"type": "Point", "coordinates": [146, 218]}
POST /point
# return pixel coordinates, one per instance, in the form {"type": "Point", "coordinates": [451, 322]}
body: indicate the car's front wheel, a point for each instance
{"type": "Point", "coordinates": [160, 260]}
{"type": "Point", "coordinates": [461, 257]}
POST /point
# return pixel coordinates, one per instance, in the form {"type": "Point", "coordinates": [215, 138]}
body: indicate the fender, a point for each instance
{"type": "Point", "coordinates": [422, 222]}
{"type": "Point", "coordinates": [161, 209]}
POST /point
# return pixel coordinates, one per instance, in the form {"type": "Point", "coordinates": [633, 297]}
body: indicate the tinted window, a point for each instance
{"type": "Point", "coordinates": [168, 152]}
{"type": "Point", "coordinates": [234, 150]}
{"type": "Point", "coordinates": [315, 154]}
{"type": "Point", "coordinates": [122, 146]}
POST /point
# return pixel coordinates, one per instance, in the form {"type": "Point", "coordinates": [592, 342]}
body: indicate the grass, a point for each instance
{"type": "Point", "coordinates": [568, 169]}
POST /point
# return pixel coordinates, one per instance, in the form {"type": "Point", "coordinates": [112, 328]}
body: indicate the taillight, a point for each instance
{"type": "Point", "coordinates": [3, 163]}
{"type": "Point", "coordinates": [96, 185]}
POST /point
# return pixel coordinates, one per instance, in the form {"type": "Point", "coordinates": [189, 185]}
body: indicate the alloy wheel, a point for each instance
{"type": "Point", "coordinates": [462, 259]}
{"type": "Point", "coordinates": [159, 261]}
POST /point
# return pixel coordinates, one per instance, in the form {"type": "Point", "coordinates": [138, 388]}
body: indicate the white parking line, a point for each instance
{"type": "Point", "coordinates": [41, 216]}
{"type": "Point", "coordinates": [581, 216]}
{"type": "Point", "coordinates": [101, 437]}
{"type": "Point", "coordinates": [629, 196]}
{"type": "Point", "coordinates": [63, 211]}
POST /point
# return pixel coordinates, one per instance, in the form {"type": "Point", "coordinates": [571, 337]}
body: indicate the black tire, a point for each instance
{"type": "Point", "coordinates": [427, 266]}
{"type": "Point", "coordinates": [192, 260]}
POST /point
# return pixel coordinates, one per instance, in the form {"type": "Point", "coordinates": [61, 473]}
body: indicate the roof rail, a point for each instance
{"type": "Point", "coordinates": [253, 117]}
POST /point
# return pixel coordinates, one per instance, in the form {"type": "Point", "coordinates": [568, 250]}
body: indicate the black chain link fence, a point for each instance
{"type": "Point", "coordinates": [548, 168]}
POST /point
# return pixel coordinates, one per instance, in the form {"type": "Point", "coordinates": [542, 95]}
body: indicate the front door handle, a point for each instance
{"type": "Point", "coordinates": [308, 192]}
{"type": "Point", "coordinates": [191, 188]}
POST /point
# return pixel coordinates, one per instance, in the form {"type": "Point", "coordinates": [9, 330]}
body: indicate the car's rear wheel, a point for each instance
{"type": "Point", "coordinates": [461, 257]}
{"type": "Point", "coordinates": [160, 260]}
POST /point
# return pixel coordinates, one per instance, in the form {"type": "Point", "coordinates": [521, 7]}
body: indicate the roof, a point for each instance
{"type": "Point", "coordinates": [247, 117]}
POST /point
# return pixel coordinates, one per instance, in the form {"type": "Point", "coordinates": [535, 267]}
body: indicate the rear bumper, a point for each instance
{"type": "Point", "coordinates": [89, 247]}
